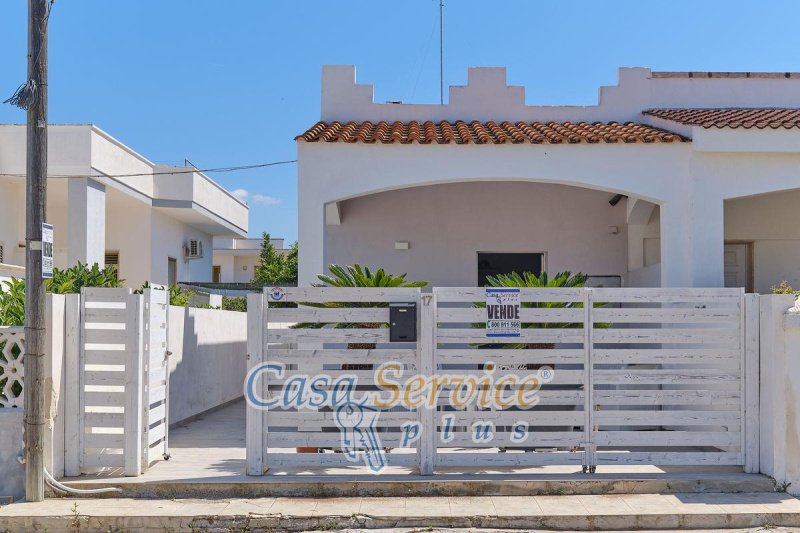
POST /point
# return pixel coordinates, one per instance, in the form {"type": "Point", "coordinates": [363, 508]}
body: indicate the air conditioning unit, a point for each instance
{"type": "Point", "coordinates": [193, 249]}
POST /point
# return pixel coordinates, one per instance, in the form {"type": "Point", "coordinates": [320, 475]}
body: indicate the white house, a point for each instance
{"type": "Point", "coordinates": [673, 179]}
{"type": "Point", "coordinates": [156, 223]}
{"type": "Point", "coordinates": [235, 260]}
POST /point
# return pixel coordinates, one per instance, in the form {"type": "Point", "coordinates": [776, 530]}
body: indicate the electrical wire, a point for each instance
{"type": "Point", "coordinates": [142, 174]}
{"type": "Point", "coordinates": [25, 95]}
{"type": "Point", "coordinates": [53, 482]}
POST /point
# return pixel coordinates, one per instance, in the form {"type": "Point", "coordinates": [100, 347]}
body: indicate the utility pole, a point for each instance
{"type": "Point", "coordinates": [441, 52]}
{"type": "Point", "coordinates": [36, 200]}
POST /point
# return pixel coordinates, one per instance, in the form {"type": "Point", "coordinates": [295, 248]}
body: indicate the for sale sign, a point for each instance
{"type": "Point", "coordinates": [502, 312]}
{"type": "Point", "coordinates": [47, 251]}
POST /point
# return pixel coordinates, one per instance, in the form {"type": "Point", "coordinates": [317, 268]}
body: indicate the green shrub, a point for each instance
{"type": "Point", "coordinates": [12, 302]}
{"type": "Point", "coordinates": [66, 281]}
{"type": "Point", "coordinates": [784, 288]}
{"type": "Point", "coordinates": [71, 280]}
{"type": "Point", "coordinates": [238, 303]}
{"type": "Point", "coordinates": [179, 297]}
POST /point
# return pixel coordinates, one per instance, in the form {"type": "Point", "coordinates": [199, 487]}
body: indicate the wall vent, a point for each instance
{"type": "Point", "coordinates": [193, 249]}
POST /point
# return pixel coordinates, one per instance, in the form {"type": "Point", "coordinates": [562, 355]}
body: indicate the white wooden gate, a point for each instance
{"type": "Point", "coordinates": [304, 339]}
{"type": "Point", "coordinates": [155, 416]}
{"type": "Point", "coordinates": [558, 425]}
{"type": "Point", "coordinates": [640, 376]}
{"type": "Point", "coordinates": [108, 422]}
{"type": "Point", "coordinates": [675, 376]}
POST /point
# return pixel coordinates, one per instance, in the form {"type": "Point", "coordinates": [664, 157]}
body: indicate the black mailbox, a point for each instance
{"type": "Point", "coordinates": [403, 322]}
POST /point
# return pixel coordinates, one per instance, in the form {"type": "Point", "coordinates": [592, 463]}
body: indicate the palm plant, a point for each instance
{"type": "Point", "coordinates": [358, 276]}
{"type": "Point", "coordinates": [530, 280]}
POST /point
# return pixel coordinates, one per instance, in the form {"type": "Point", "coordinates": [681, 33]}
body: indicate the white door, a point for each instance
{"type": "Point", "coordinates": [736, 265]}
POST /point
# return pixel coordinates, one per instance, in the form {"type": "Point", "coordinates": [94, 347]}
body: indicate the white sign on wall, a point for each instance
{"type": "Point", "coordinates": [502, 312]}
{"type": "Point", "coordinates": [47, 251]}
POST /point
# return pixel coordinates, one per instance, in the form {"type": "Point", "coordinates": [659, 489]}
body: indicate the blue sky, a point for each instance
{"type": "Point", "coordinates": [225, 83]}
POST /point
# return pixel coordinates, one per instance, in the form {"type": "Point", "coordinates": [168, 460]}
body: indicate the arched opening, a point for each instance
{"type": "Point", "coordinates": [452, 234]}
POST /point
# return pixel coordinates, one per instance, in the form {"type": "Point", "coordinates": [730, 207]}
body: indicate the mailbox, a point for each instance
{"type": "Point", "coordinates": [403, 322]}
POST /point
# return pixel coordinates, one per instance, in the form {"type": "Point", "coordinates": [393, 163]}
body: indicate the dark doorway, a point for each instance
{"type": "Point", "coordinates": [494, 263]}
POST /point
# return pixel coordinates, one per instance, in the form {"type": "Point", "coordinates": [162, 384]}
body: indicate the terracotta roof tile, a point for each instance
{"type": "Point", "coordinates": [732, 117]}
{"type": "Point", "coordinates": [461, 132]}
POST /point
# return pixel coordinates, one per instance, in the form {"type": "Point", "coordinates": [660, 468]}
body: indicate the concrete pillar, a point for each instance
{"type": "Point", "coordinates": [779, 418]}
{"type": "Point", "coordinates": [675, 245]}
{"type": "Point", "coordinates": [692, 242]}
{"type": "Point", "coordinates": [311, 235]}
{"type": "Point", "coordinates": [708, 241]}
{"type": "Point", "coordinates": [86, 220]}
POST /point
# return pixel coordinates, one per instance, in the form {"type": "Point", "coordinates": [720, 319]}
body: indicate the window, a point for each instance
{"type": "Point", "coordinates": [2, 253]}
{"type": "Point", "coordinates": [494, 263]}
{"type": "Point", "coordinates": [112, 260]}
{"type": "Point", "coordinates": [172, 271]}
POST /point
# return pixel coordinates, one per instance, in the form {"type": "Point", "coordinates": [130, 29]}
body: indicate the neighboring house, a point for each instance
{"type": "Point", "coordinates": [673, 179]}
{"type": "Point", "coordinates": [156, 224]}
{"type": "Point", "coordinates": [235, 260]}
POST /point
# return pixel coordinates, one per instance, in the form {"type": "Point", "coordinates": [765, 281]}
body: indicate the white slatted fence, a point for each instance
{"type": "Point", "coordinates": [155, 377]}
{"type": "Point", "coordinates": [641, 376]}
{"type": "Point", "coordinates": [668, 376]}
{"type": "Point", "coordinates": [308, 340]}
{"type": "Point", "coordinates": [553, 333]}
{"type": "Point", "coordinates": [110, 369]}
{"type": "Point", "coordinates": [116, 381]}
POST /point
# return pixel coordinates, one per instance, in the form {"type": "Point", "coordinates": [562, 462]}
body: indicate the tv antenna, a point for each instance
{"type": "Point", "coordinates": [441, 52]}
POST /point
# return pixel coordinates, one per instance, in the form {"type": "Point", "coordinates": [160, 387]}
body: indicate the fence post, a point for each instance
{"type": "Point", "coordinates": [590, 459]}
{"type": "Point", "coordinates": [72, 386]}
{"type": "Point", "coordinates": [751, 385]}
{"type": "Point", "coordinates": [133, 386]}
{"type": "Point", "coordinates": [256, 318]}
{"type": "Point", "coordinates": [426, 449]}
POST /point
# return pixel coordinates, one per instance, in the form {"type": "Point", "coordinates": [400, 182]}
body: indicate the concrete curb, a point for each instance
{"type": "Point", "coordinates": [276, 523]}
{"type": "Point", "coordinates": [485, 486]}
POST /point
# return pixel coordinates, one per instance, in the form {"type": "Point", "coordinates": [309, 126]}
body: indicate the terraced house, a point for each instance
{"type": "Point", "coordinates": [674, 179]}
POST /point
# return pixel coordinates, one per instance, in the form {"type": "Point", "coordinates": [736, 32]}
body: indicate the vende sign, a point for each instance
{"type": "Point", "coordinates": [502, 312]}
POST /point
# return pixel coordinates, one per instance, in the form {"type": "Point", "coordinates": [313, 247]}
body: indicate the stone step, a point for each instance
{"type": "Point", "coordinates": [439, 485]}
{"type": "Point", "coordinates": [576, 513]}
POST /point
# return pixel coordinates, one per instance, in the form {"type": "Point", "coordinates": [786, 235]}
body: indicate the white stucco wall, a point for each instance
{"type": "Point", "coordinates": [209, 359]}
{"type": "Point", "coordinates": [129, 232]}
{"type": "Point", "coordinates": [12, 225]}
{"type": "Point", "coordinates": [446, 225]}
{"type": "Point", "coordinates": [12, 473]}
{"type": "Point", "coordinates": [168, 237]}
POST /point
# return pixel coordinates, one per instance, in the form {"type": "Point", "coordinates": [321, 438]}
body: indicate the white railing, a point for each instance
{"type": "Point", "coordinates": [12, 350]}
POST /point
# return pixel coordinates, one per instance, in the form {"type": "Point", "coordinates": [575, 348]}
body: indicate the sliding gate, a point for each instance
{"type": "Point", "coordinates": [588, 377]}
{"type": "Point", "coordinates": [639, 376]}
